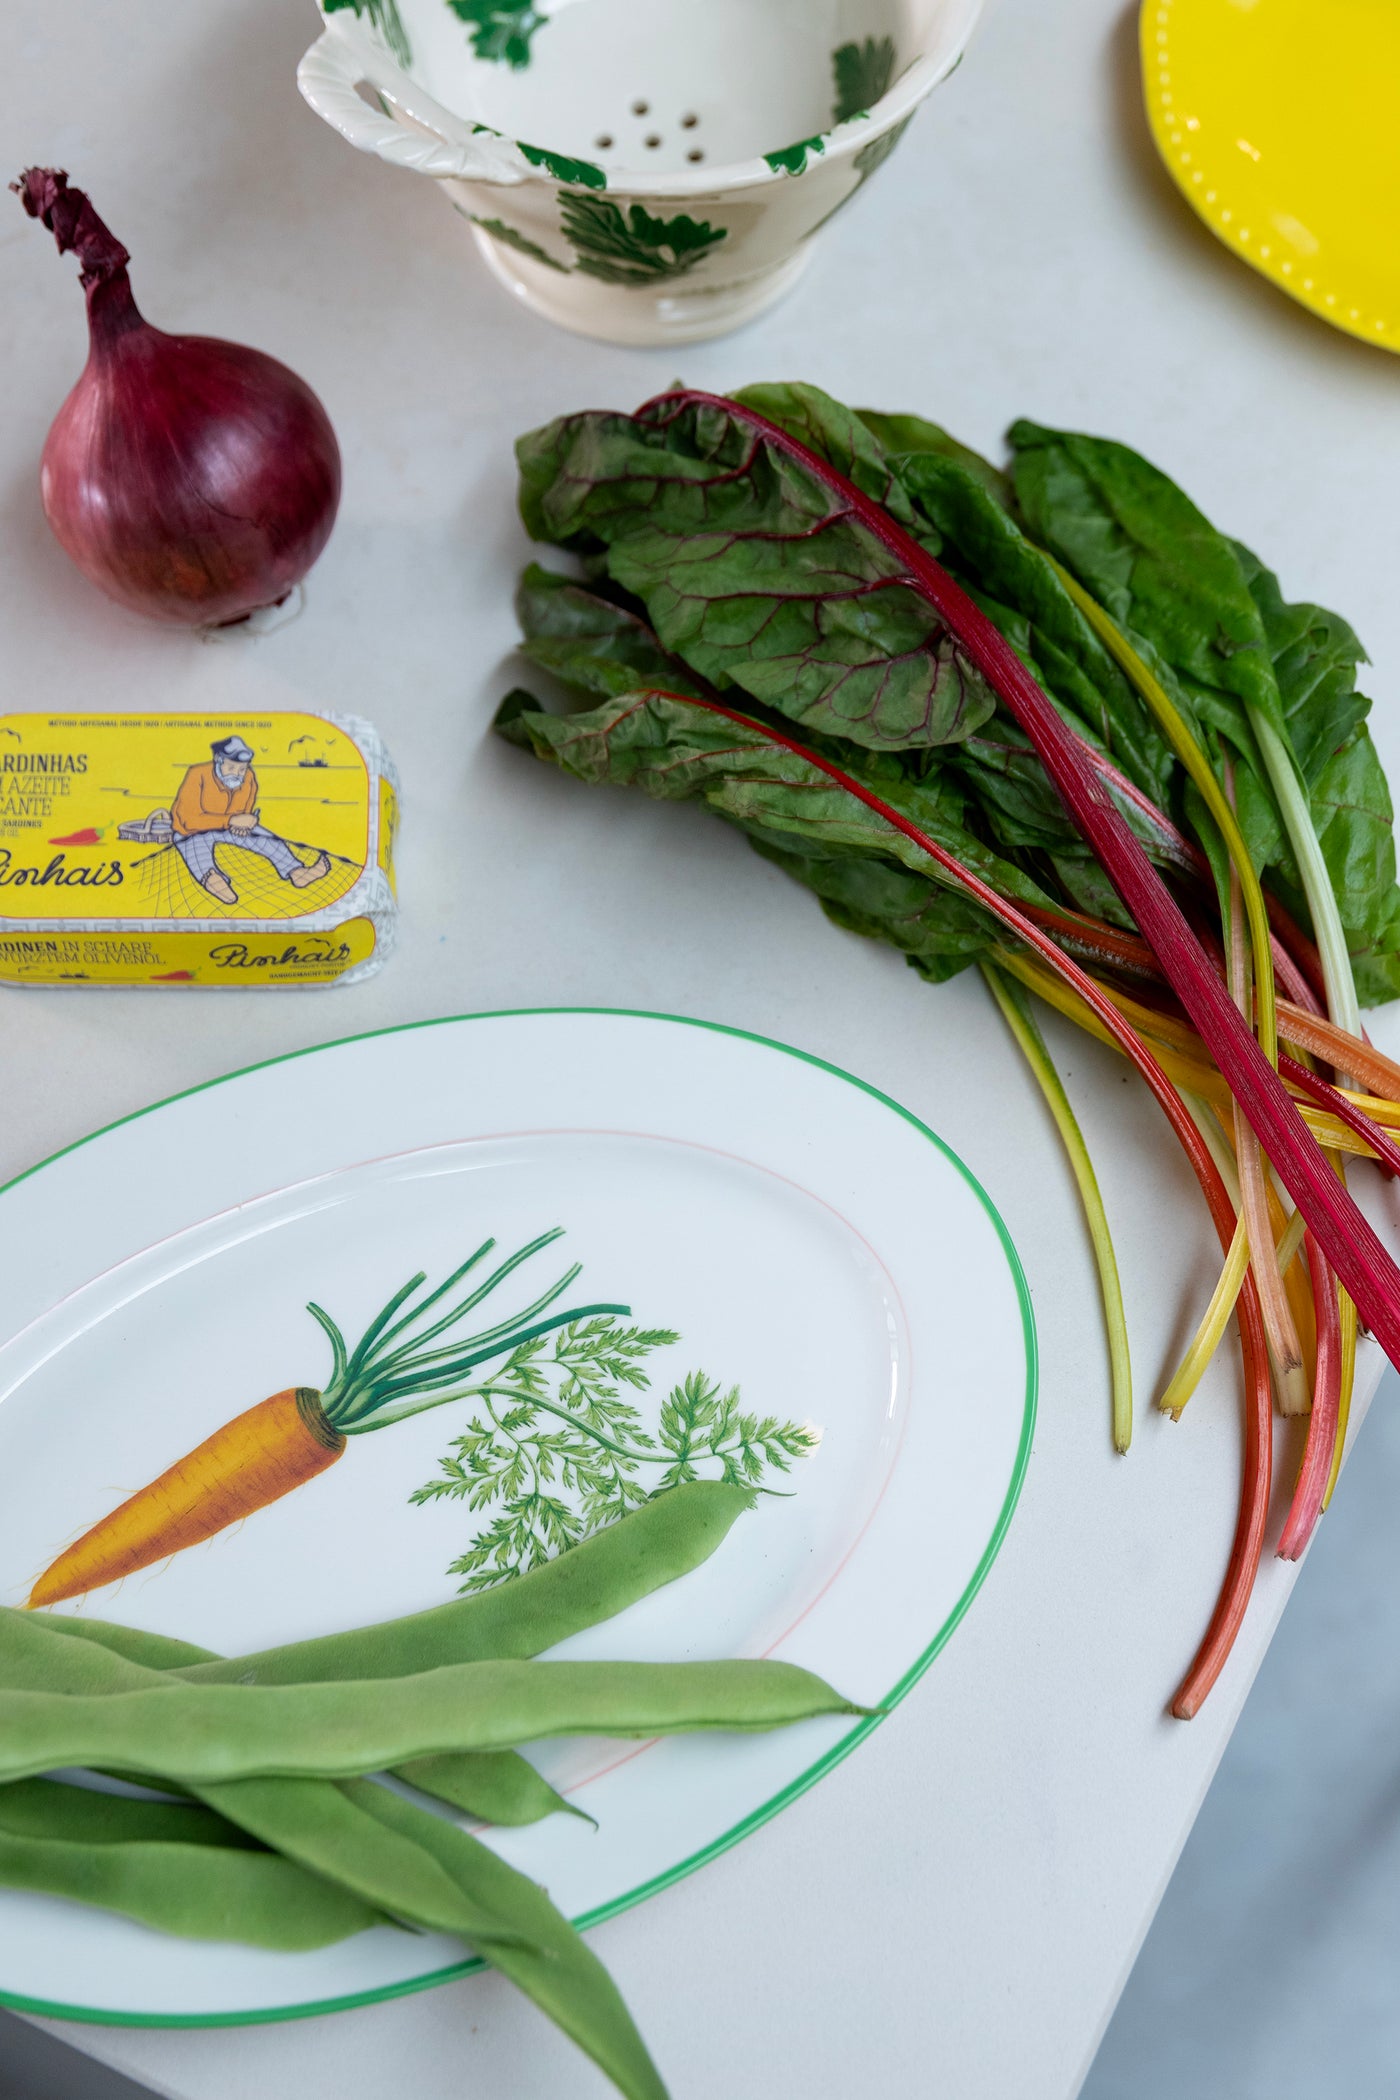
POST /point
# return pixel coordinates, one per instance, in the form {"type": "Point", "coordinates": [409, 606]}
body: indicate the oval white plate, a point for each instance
{"type": "Point", "coordinates": [808, 1240]}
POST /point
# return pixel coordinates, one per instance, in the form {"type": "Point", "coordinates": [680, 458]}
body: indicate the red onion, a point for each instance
{"type": "Point", "coordinates": [190, 479]}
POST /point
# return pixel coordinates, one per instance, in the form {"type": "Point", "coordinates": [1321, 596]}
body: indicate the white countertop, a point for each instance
{"type": "Point", "coordinates": [953, 1910]}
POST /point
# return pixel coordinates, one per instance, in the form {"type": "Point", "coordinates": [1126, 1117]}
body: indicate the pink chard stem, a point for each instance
{"type": "Point", "coordinates": [1322, 1423]}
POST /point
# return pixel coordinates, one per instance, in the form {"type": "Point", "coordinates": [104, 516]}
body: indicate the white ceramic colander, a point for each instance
{"type": "Point", "coordinates": [645, 171]}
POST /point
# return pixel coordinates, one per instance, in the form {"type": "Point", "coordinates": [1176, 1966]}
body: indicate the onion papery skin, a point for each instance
{"type": "Point", "coordinates": [192, 480]}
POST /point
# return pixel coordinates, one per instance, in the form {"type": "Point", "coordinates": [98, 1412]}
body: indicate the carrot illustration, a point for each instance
{"type": "Point", "coordinates": [285, 1441]}
{"type": "Point", "coordinates": [255, 1459]}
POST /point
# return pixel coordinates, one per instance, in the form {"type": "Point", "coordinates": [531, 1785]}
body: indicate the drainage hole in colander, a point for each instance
{"type": "Point", "coordinates": [605, 140]}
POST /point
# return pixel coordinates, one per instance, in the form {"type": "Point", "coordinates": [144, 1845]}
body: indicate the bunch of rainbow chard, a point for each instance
{"type": "Point", "coordinates": [1050, 721]}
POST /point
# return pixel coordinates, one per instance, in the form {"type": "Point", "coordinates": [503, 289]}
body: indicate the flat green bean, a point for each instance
{"type": "Point", "coordinates": [51, 1808]}
{"type": "Point", "coordinates": [565, 1979]}
{"type": "Point", "coordinates": [405, 1861]}
{"type": "Point", "coordinates": [169, 1868]}
{"type": "Point", "coordinates": [154, 1651]}
{"type": "Point", "coordinates": [200, 1891]}
{"type": "Point", "coordinates": [643, 1551]}
{"type": "Point", "coordinates": [495, 1786]}
{"type": "Point", "coordinates": [210, 1733]}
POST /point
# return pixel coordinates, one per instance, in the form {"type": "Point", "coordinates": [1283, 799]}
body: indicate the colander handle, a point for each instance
{"type": "Point", "coordinates": [421, 135]}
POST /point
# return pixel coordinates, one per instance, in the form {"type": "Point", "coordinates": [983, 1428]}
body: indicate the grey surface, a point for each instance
{"type": "Point", "coordinates": [37, 2066]}
{"type": "Point", "coordinates": [1270, 1966]}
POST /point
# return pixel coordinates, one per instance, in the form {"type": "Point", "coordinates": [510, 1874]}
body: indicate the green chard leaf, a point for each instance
{"type": "Point", "coordinates": [958, 505]}
{"type": "Point", "coordinates": [1315, 657]}
{"type": "Point", "coordinates": [594, 646]}
{"type": "Point", "coordinates": [900, 436]}
{"type": "Point", "coordinates": [752, 571]}
{"type": "Point", "coordinates": [868, 876]}
{"type": "Point", "coordinates": [1012, 581]}
{"type": "Point", "coordinates": [1214, 625]}
{"type": "Point", "coordinates": [1149, 557]}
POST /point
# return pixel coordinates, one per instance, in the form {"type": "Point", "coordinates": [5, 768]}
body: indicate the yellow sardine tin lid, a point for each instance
{"type": "Point", "coordinates": [199, 827]}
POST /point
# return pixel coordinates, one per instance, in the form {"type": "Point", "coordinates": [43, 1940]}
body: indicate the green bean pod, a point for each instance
{"type": "Point", "coordinates": [494, 1786]}
{"type": "Point", "coordinates": [50, 1808]}
{"type": "Point", "coordinates": [188, 1882]}
{"type": "Point", "coordinates": [557, 1970]}
{"type": "Point", "coordinates": [199, 1892]}
{"type": "Point", "coordinates": [205, 1734]}
{"type": "Point", "coordinates": [643, 1551]}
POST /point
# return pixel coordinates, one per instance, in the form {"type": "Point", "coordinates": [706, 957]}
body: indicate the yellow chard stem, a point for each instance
{"type": "Point", "coordinates": [1180, 735]}
{"type": "Point", "coordinates": [1186, 1069]}
{"type": "Point", "coordinates": [1209, 1120]}
{"type": "Point", "coordinates": [1284, 1349]}
{"type": "Point", "coordinates": [1289, 1377]}
{"type": "Point", "coordinates": [1210, 1333]}
{"type": "Point", "coordinates": [1222, 1303]}
{"type": "Point", "coordinates": [1019, 1019]}
{"type": "Point", "coordinates": [1188, 1074]}
{"type": "Point", "coordinates": [1297, 1281]}
{"type": "Point", "coordinates": [1348, 1313]}
{"type": "Point", "coordinates": [1291, 1239]}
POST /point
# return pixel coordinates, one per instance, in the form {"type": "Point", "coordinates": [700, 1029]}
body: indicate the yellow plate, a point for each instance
{"type": "Point", "coordinates": [1277, 119]}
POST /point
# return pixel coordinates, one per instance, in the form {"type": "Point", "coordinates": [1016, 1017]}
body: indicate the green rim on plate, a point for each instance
{"type": "Point", "coordinates": [850, 1741]}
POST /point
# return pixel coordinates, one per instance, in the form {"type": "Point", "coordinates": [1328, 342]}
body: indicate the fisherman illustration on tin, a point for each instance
{"type": "Point", "coordinates": [217, 805]}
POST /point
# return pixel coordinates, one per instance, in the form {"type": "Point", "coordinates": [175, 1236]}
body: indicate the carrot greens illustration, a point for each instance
{"type": "Point", "coordinates": [552, 1417]}
{"type": "Point", "coordinates": [555, 1417]}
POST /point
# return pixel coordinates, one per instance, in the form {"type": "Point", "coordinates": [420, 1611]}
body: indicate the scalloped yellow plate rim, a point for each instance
{"type": "Point", "coordinates": [1275, 119]}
